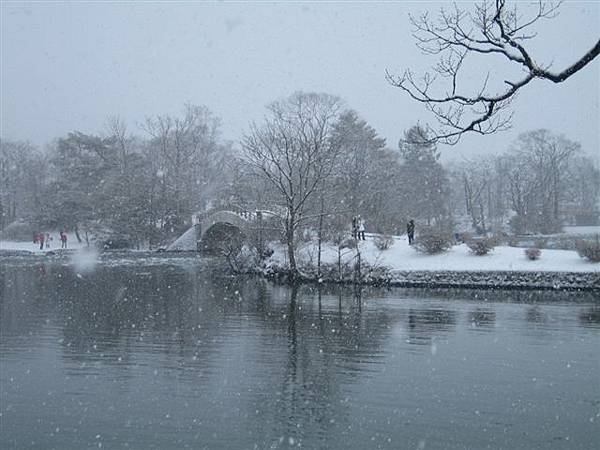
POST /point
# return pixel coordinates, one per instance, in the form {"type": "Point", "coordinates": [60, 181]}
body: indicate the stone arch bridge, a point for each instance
{"type": "Point", "coordinates": [210, 227]}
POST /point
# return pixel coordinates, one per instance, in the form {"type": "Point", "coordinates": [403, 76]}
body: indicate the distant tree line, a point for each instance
{"type": "Point", "coordinates": [541, 183]}
{"type": "Point", "coordinates": [144, 188]}
{"type": "Point", "coordinates": [312, 161]}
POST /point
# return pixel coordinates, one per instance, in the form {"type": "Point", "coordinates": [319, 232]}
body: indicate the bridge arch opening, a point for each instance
{"type": "Point", "coordinates": [222, 238]}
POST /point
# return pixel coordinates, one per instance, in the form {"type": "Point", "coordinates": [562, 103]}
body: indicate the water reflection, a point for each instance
{"type": "Point", "coordinates": [504, 296]}
{"type": "Point", "coordinates": [326, 349]}
{"type": "Point", "coordinates": [482, 318]}
{"type": "Point", "coordinates": [423, 324]}
{"type": "Point", "coordinates": [536, 316]}
{"type": "Point", "coordinates": [167, 357]}
{"type": "Point", "coordinates": [590, 317]}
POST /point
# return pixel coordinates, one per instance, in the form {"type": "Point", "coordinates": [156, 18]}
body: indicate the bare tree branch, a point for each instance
{"type": "Point", "coordinates": [458, 35]}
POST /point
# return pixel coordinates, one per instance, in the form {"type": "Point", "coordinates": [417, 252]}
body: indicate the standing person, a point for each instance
{"type": "Point", "coordinates": [354, 227]}
{"type": "Point", "coordinates": [63, 239]}
{"type": "Point", "coordinates": [361, 228]}
{"type": "Point", "coordinates": [41, 240]}
{"type": "Point", "coordinates": [48, 240]}
{"type": "Point", "coordinates": [410, 231]}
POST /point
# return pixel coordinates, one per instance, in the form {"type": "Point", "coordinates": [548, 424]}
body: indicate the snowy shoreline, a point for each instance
{"type": "Point", "coordinates": [489, 280]}
{"type": "Point", "coordinates": [586, 281]}
{"type": "Point", "coordinates": [402, 266]}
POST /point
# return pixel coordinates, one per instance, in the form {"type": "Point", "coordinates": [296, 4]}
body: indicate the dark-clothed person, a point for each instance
{"type": "Point", "coordinates": [410, 231]}
{"type": "Point", "coordinates": [63, 239]}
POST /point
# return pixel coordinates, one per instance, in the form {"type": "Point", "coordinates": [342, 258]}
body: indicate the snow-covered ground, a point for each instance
{"type": "Point", "coordinates": [402, 257]}
{"type": "Point", "coordinates": [54, 244]}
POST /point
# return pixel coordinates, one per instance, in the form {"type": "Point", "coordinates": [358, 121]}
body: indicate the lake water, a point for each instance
{"type": "Point", "coordinates": [163, 354]}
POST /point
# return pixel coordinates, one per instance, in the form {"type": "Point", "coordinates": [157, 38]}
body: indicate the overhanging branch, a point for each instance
{"type": "Point", "coordinates": [458, 35]}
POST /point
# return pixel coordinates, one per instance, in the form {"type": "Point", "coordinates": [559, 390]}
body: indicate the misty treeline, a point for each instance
{"type": "Point", "coordinates": [311, 161]}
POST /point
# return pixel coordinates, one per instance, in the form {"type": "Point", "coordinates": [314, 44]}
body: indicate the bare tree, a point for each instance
{"type": "Point", "coordinates": [480, 193]}
{"type": "Point", "coordinates": [537, 169]}
{"type": "Point", "coordinates": [583, 185]}
{"type": "Point", "coordinates": [124, 142]}
{"type": "Point", "coordinates": [476, 182]}
{"type": "Point", "coordinates": [492, 30]}
{"type": "Point", "coordinates": [548, 156]}
{"type": "Point", "coordinates": [293, 151]}
{"type": "Point", "coordinates": [187, 157]}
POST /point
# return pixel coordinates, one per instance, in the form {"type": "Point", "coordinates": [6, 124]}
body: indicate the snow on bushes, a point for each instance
{"type": "Point", "coordinates": [481, 245]}
{"type": "Point", "coordinates": [432, 241]}
{"type": "Point", "coordinates": [383, 241]}
{"type": "Point", "coordinates": [533, 253]}
{"type": "Point", "coordinates": [242, 260]}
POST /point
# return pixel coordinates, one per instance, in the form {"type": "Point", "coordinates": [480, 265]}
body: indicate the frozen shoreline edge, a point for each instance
{"type": "Point", "coordinates": [501, 280]}
{"type": "Point", "coordinates": [507, 279]}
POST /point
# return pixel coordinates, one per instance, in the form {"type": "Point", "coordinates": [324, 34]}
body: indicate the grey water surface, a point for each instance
{"type": "Point", "coordinates": [169, 354]}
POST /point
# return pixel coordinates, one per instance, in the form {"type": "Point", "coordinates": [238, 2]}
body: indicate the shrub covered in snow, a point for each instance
{"type": "Point", "coordinates": [481, 245]}
{"type": "Point", "coordinates": [533, 253]}
{"type": "Point", "coordinates": [590, 249]}
{"type": "Point", "coordinates": [432, 241]}
{"type": "Point", "coordinates": [383, 241]}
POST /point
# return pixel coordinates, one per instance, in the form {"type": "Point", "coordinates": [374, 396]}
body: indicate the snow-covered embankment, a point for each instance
{"type": "Point", "coordinates": [503, 267]}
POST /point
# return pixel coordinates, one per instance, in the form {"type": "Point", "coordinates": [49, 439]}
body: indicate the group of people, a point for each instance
{"type": "Point", "coordinates": [358, 229]}
{"type": "Point", "coordinates": [44, 239]}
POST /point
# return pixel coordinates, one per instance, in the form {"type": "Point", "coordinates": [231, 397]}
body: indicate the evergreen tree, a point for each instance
{"type": "Point", "coordinates": [77, 194]}
{"type": "Point", "coordinates": [423, 179]}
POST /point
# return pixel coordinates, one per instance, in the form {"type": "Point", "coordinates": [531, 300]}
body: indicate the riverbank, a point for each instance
{"type": "Point", "coordinates": [401, 265]}
{"type": "Point", "coordinates": [559, 281]}
{"type": "Point", "coordinates": [34, 248]}
{"type": "Point", "coordinates": [586, 281]}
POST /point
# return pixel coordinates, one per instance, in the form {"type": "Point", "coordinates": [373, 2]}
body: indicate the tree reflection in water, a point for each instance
{"type": "Point", "coordinates": [267, 364]}
{"type": "Point", "coordinates": [590, 317]}
{"type": "Point", "coordinates": [482, 319]}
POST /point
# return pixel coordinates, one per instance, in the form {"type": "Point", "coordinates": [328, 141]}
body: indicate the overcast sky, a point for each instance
{"type": "Point", "coordinates": [67, 66]}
